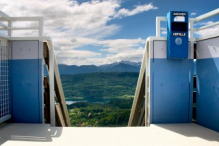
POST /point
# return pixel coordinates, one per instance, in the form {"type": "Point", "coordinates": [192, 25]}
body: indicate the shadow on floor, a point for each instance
{"type": "Point", "coordinates": [191, 130]}
{"type": "Point", "coordinates": [28, 132]}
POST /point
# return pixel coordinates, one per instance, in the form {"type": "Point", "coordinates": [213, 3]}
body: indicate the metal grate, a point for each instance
{"type": "Point", "coordinates": [4, 82]}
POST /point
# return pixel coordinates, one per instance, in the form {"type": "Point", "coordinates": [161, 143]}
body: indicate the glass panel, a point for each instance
{"type": "Point", "coordinates": [176, 26]}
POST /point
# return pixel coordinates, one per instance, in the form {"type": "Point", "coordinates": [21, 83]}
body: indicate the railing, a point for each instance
{"type": "Point", "coordinates": [10, 28]}
{"type": "Point", "coordinates": [191, 23]}
{"type": "Point", "coordinates": [206, 16]}
{"type": "Point", "coordinates": [54, 80]}
{"type": "Point", "coordinates": [164, 19]}
{"type": "Point", "coordinates": [5, 99]}
{"type": "Point", "coordinates": [158, 22]}
{"type": "Point", "coordinates": [141, 101]}
{"type": "Point", "coordinates": [6, 24]}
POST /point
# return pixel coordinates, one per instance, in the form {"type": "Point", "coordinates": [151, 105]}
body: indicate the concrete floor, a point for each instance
{"type": "Point", "coordinates": [160, 135]}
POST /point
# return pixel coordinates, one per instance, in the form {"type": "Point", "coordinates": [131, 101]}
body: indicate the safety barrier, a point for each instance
{"type": "Point", "coordinates": [7, 30]}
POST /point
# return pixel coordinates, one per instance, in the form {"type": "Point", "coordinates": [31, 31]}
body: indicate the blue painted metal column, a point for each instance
{"type": "Point", "coordinates": [207, 106]}
{"type": "Point", "coordinates": [171, 85]}
{"type": "Point", "coordinates": [27, 81]}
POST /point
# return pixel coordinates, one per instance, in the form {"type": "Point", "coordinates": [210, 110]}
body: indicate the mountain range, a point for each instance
{"type": "Point", "coordinates": [123, 66]}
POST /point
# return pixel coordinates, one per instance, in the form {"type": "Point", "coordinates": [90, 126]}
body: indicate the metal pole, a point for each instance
{"type": "Point", "coordinates": [10, 32]}
{"type": "Point", "coordinates": [41, 27]}
{"type": "Point", "coordinates": [51, 85]}
{"type": "Point", "coordinates": [157, 27]}
{"type": "Point", "coordinates": [207, 15]}
{"type": "Point", "coordinates": [191, 28]}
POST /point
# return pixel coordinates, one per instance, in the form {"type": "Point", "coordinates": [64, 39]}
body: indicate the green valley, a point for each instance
{"type": "Point", "coordinates": [100, 99]}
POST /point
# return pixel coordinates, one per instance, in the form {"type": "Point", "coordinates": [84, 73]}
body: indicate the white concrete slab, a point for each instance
{"type": "Point", "coordinates": [160, 135]}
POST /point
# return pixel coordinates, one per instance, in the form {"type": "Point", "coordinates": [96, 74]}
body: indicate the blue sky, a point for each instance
{"type": "Point", "coordinates": [102, 32]}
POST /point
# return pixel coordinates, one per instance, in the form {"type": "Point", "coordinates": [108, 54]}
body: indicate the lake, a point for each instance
{"type": "Point", "coordinates": [68, 102]}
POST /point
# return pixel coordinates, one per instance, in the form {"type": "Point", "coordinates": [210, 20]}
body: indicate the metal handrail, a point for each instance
{"type": "Point", "coordinates": [9, 27]}
{"type": "Point", "coordinates": [5, 16]}
{"type": "Point", "coordinates": [158, 28]}
{"type": "Point", "coordinates": [53, 73]}
{"type": "Point", "coordinates": [53, 68]}
{"type": "Point", "coordinates": [207, 26]}
{"type": "Point", "coordinates": [191, 22]}
{"type": "Point", "coordinates": [207, 15]}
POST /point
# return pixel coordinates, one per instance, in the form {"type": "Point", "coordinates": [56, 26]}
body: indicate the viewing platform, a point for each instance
{"type": "Point", "coordinates": [164, 93]}
{"type": "Point", "coordinates": [156, 134]}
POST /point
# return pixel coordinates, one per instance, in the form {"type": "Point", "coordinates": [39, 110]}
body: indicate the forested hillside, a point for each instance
{"type": "Point", "coordinates": [99, 85]}
{"type": "Point", "coordinates": [123, 66]}
{"type": "Point", "coordinates": [99, 99]}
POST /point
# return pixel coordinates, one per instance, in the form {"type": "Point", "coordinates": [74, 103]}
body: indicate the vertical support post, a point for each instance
{"type": "Point", "coordinates": [41, 74]}
{"type": "Point", "coordinates": [146, 85]}
{"type": "Point", "coordinates": [41, 27]}
{"type": "Point", "coordinates": [147, 100]}
{"type": "Point", "coordinates": [191, 36]}
{"type": "Point", "coordinates": [10, 32]}
{"type": "Point", "coordinates": [157, 27]}
{"type": "Point", "coordinates": [191, 29]}
{"type": "Point", "coordinates": [51, 86]}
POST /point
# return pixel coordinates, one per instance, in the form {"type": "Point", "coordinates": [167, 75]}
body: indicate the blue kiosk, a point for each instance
{"type": "Point", "coordinates": [177, 35]}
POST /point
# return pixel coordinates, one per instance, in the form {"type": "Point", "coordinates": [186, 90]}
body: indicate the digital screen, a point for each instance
{"type": "Point", "coordinates": [176, 26]}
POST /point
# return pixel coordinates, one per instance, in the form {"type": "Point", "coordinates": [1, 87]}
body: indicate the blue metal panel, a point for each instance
{"type": "Point", "coordinates": [171, 95]}
{"type": "Point", "coordinates": [207, 106]}
{"type": "Point", "coordinates": [26, 94]}
{"type": "Point", "coordinates": [177, 35]}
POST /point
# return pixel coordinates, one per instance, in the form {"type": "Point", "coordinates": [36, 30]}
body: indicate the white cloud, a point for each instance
{"type": "Point", "coordinates": [203, 23]}
{"type": "Point", "coordinates": [109, 45]}
{"type": "Point", "coordinates": [76, 54]}
{"type": "Point", "coordinates": [193, 14]}
{"type": "Point", "coordinates": [86, 19]}
{"type": "Point", "coordinates": [122, 45]}
{"type": "Point", "coordinates": [207, 31]}
{"type": "Point", "coordinates": [73, 25]}
{"type": "Point", "coordinates": [115, 46]}
{"type": "Point", "coordinates": [134, 55]}
{"type": "Point", "coordinates": [138, 9]}
{"type": "Point", "coordinates": [117, 50]}
{"type": "Point", "coordinates": [164, 32]}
